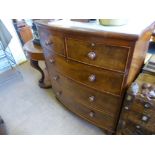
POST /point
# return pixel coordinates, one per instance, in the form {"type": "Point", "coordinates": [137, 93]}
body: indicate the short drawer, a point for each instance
{"type": "Point", "coordinates": [107, 104]}
{"type": "Point", "coordinates": [52, 41]}
{"type": "Point", "coordinates": [100, 119]}
{"type": "Point", "coordinates": [98, 54]}
{"type": "Point", "coordinates": [99, 79]}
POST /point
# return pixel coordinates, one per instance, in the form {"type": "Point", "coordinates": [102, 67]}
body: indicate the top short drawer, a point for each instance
{"type": "Point", "coordinates": [98, 54]}
{"type": "Point", "coordinates": [53, 41]}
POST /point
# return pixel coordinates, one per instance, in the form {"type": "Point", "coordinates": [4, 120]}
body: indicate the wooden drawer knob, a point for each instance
{"type": "Point", "coordinates": [58, 93]}
{"type": "Point", "coordinates": [147, 105]}
{"type": "Point", "coordinates": [145, 118]}
{"type": "Point", "coordinates": [92, 44]}
{"type": "Point", "coordinates": [48, 42]}
{"type": "Point", "coordinates": [92, 55]}
{"type": "Point", "coordinates": [56, 77]}
{"type": "Point", "coordinates": [92, 114]}
{"type": "Point", "coordinates": [51, 60]}
{"type": "Point", "coordinates": [92, 78]}
{"type": "Point", "coordinates": [91, 98]}
{"type": "Point", "coordinates": [126, 108]}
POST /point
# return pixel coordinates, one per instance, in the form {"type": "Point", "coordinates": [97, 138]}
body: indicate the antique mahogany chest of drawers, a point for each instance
{"type": "Point", "coordinates": [138, 112]}
{"type": "Point", "coordinates": [91, 66]}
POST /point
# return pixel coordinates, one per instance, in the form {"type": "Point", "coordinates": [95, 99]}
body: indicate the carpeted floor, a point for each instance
{"type": "Point", "coordinates": [28, 109]}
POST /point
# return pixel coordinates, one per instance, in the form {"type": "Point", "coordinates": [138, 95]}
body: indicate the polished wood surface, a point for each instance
{"type": "Point", "coordinates": [83, 57]}
{"type": "Point", "coordinates": [35, 53]}
{"type": "Point", "coordinates": [138, 110]}
{"type": "Point", "coordinates": [81, 50]}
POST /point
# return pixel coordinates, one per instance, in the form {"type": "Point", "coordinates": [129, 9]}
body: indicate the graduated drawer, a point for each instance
{"type": "Point", "coordinates": [139, 105]}
{"type": "Point", "coordinates": [52, 41]}
{"type": "Point", "coordinates": [129, 128]}
{"type": "Point", "coordinates": [65, 96]}
{"type": "Point", "coordinates": [99, 79]}
{"type": "Point", "coordinates": [107, 104]}
{"type": "Point", "coordinates": [98, 54]}
{"type": "Point", "coordinates": [145, 121]}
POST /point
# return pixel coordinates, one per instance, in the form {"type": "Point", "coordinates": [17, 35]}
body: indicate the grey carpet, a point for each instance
{"type": "Point", "coordinates": [28, 109]}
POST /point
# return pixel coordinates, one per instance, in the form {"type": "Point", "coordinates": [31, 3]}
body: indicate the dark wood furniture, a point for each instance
{"type": "Point", "coordinates": [138, 112]}
{"type": "Point", "coordinates": [35, 54]}
{"type": "Point", "coordinates": [91, 66]}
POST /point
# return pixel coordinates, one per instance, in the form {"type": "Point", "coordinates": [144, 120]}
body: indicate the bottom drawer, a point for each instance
{"type": "Point", "coordinates": [90, 114]}
{"type": "Point", "coordinates": [130, 128]}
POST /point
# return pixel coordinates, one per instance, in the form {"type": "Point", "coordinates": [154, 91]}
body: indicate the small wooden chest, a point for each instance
{"type": "Point", "coordinates": [138, 112]}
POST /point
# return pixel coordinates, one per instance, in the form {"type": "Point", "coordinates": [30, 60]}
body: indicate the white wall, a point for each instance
{"type": "Point", "coordinates": [15, 45]}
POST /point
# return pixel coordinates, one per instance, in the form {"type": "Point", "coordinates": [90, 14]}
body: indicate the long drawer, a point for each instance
{"type": "Point", "coordinates": [108, 104]}
{"type": "Point", "coordinates": [71, 95]}
{"type": "Point", "coordinates": [98, 54]}
{"type": "Point", "coordinates": [96, 78]}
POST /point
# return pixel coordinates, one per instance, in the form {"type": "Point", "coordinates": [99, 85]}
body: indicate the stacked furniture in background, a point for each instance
{"type": "Point", "coordinates": [91, 66]}
{"type": "Point", "coordinates": [138, 112]}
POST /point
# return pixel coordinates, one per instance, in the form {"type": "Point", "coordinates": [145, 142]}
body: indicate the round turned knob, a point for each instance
{"type": "Point", "coordinates": [147, 105]}
{"type": "Point", "coordinates": [56, 77]}
{"type": "Point", "coordinates": [126, 108]}
{"type": "Point", "coordinates": [145, 118]}
{"type": "Point", "coordinates": [92, 44]}
{"type": "Point", "coordinates": [58, 93]}
{"type": "Point", "coordinates": [92, 78]}
{"type": "Point", "coordinates": [146, 85]}
{"type": "Point", "coordinates": [91, 98]}
{"type": "Point", "coordinates": [48, 42]}
{"type": "Point", "coordinates": [138, 126]}
{"type": "Point", "coordinates": [51, 60]}
{"type": "Point", "coordinates": [92, 114]}
{"type": "Point", "coordinates": [92, 55]}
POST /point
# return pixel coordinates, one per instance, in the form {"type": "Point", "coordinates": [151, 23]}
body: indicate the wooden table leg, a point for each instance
{"type": "Point", "coordinates": [44, 82]}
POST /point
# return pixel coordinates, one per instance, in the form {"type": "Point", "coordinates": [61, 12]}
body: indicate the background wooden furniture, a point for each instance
{"type": "Point", "coordinates": [35, 54]}
{"type": "Point", "coordinates": [138, 112]}
{"type": "Point", "coordinates": [91, 66]}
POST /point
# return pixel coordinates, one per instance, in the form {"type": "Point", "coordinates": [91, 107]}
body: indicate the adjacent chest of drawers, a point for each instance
{"type": "Point", "coordinates": [138, 112]}
{"type": "Point", "coordinates": [90, 69]}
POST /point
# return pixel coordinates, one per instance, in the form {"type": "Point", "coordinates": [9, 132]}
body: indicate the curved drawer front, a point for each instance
{"type": "Point", "coordinates": [53, 41]}
{"type": "Point", "coordinates": [98, 54]}
{"type": "Point", "coordinates": [102, 80]}
{"type": "Point", "coordinates": [65, 92]}
{"type": "Point", "coordinates": [107, 104]}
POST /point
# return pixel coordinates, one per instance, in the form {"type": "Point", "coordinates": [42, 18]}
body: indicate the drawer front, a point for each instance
{"type": "Point", "coordinates": [53, 41]}
{"type": "Point", "coordinates": [130, 128]}
{"type": "Point", "coordinates": [138, 104]}
{"type": "Point", "coordinates": [65, 95]}
{"type": "Point", "coordinates": [107, 104]}
{"type": "Point", "coordinates": [143, 120]}
{"type": "Point", "coordinates": [99, 79]}
{"type": "Point", "coordinates": [98, 54]}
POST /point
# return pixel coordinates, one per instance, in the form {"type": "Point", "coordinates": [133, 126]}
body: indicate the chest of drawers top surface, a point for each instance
{"type": "Point", "coordinates": [130, 31]}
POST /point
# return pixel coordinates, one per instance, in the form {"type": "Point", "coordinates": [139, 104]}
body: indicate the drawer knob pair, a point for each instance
{"type": "Point", "coordinates": [56, 77]}
{"type": "Point", "coordinates": [91, 98]}
{"type": "Point", "coordinates": [92, 78]}
{"type": "Point", "coordinates": [92, 114]}
{"type": "Point", "coordinates": [48, 42]}
{"type": "Point", "coordinates": [92, 55]}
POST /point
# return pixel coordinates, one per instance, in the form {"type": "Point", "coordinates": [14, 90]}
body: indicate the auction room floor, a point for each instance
{"type": "Point", "coordinates": [28, 109]}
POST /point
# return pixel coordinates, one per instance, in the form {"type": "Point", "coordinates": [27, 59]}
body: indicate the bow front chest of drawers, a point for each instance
{"type": "Point", "coordinates": [91, 66]}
